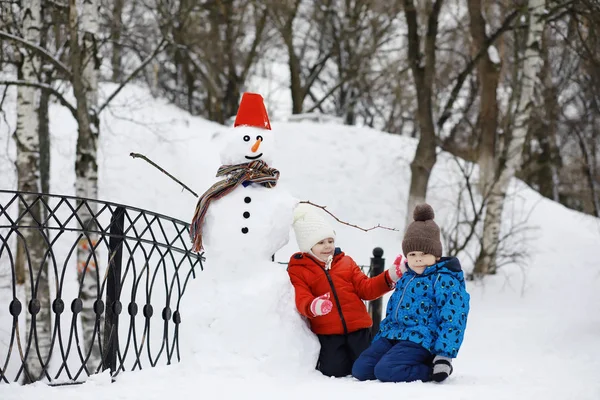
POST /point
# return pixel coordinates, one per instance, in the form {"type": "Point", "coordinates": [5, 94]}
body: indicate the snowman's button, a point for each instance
{"type": "Point", "coordinates": [246, 214]}
{"type": "Point", "coordinates": [247, 200]}
{"type": "Point", "coordinates": [244, 230]}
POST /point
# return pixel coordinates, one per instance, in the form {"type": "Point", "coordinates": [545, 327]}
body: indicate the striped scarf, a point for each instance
{"type": "Point", "coordinates": [256, 171]}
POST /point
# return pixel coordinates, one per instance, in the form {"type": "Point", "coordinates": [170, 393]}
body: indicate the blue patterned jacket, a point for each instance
{"type": "Point", "coordinates": [429, 309]}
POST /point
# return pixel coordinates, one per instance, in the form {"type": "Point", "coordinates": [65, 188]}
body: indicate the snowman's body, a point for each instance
{"type": "Point", "coordinates": [252, 220]}
{"type": "Point", "coordinates": [247, 317]}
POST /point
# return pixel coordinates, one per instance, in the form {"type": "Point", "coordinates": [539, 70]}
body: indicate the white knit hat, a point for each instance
{"type": "Point", "coordinates": [310, 227]}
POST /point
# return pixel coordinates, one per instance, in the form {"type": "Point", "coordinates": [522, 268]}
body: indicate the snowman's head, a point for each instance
{"type": "Point", "coordinates": [244, 144]}
{"type": "Point", "coordinates": [251, 138]}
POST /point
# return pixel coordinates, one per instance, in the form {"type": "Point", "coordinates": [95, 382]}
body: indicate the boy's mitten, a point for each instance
{"type": "Point", "coordinates": [398, 270]}
{"type": "Point", "coordinates": [321, 305]}
{"type": "Point", "coordinates": [442, 368]}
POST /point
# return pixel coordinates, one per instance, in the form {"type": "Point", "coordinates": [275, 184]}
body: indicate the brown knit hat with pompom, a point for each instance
{"type": "Point", "coordinates": [423, 234]}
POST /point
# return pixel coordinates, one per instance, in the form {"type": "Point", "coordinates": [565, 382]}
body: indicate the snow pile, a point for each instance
{"type": "Point", "coordinates": [245, 320]}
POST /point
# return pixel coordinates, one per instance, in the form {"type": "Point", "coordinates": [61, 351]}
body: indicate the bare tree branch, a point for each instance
{"type": "Point", "coordinates": [255, 43]}
{"type": "Point", "coordinates": [46, 87]}
{"type": "Point", "coordinates": [346, 223]}
{"type": "Point", "coordinates": [58, 4]}
{"type": "Point", "coordinates": [62, 67]}
{"type": "Point", "coordinates": [114, 94]}
{"type": "Point", "coordinates": [460, 80]}
{"type": "Point", "coordinates": [329, 93]}
{"type": "Point", "coordinates": [143, 157]}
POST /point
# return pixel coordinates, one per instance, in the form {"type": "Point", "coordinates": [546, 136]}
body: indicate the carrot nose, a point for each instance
{"type": "Point", "coordinates": [256, 145]}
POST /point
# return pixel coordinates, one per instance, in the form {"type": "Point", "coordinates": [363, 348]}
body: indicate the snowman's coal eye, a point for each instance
{"type": "Point", "coordinates": [259, 138]}
{"type": "Point", "coordinates": [246, 138]}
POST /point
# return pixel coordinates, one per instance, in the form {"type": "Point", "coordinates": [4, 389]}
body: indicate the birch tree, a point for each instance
{"type": "Point", "coordinates": [532, 60]}
{"type": "Point", "coordinates": [31, 263]}
{"type": "Point", "coordinates": [116, 30]}
{"type": "Point", "coordinates": [81, 69]}
{"type": "Point", "coordinates": [542, 159]}
{"type": "Point", "coordinates": [83, 28]}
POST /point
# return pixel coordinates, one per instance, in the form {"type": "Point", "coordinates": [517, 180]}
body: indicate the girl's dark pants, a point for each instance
{"type": "Point", "coordinates": [338, 352]}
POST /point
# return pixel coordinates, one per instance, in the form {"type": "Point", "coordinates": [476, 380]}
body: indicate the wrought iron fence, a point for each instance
{"type": "Point", "coordinates": [87, 286]}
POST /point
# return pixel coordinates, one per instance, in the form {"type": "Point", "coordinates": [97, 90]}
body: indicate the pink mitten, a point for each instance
{"type": "Point", "coordinates": [399, 268]}
{"type": "Point", "coordinates": [321, 305]}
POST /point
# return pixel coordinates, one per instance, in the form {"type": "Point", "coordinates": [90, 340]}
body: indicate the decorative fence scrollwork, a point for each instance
{"type": "Point", "coordinates": [86, 286]}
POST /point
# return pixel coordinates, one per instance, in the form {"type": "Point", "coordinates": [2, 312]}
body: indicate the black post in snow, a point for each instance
{"type": "Point", "coordinates": [377, 267]}
{"type": "Point", "coordinates": [113, 291]}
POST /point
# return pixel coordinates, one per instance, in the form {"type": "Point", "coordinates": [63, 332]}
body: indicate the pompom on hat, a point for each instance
{"type": "Point", "coordinates": [310, 227]}
{"type": "Point", "coordinates": [423, 234]}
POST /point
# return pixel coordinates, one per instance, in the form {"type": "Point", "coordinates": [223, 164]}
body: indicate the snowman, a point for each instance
{"type": "Point", "coordinates": [246, 207]}
{"type": "Point", "coordinates": [244, 311]}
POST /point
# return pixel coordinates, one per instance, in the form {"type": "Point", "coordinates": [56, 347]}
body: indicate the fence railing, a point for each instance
{"type": "Point", "coordinates": [87, 286]}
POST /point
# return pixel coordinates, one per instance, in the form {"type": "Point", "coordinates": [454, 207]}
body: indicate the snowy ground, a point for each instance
{"type": "Point", "coordinates": [533, 332]}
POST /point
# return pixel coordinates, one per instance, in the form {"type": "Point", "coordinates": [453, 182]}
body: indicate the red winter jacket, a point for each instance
{"type": "Point", "coordinates": [346, 283]}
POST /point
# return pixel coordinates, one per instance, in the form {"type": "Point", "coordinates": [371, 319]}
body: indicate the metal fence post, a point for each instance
{"type": "Point", "coordinates": [113, 290]}
{"type": "Point", "coordinates": [377, 267]}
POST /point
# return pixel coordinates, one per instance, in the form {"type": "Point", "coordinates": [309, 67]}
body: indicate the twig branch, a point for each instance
{"type": "Point", "coordinates": [114, 94]}
{"type": "Point", "coordinates": [460, 79]}
{"type": "Point", "coordinates": [47, 87]}
{"type": "Point", "coordinates": [62, 67]}
{"type": "Point", "coordinates": [324, 208]}
{"type": "Point", "coordinates": [58, 4]}
{"type": "Point", "coordinates": [137, 155]}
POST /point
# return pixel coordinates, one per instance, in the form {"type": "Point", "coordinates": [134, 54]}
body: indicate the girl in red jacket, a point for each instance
{"type": "Point", "coordinates": [330, 289]}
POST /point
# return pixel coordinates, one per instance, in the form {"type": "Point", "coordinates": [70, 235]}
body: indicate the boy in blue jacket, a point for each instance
{"type": "Point", "coordinates": [426, 315]}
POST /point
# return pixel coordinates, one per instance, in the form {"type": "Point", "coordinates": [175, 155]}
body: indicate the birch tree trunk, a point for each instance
{"type": "Point", "coordinates": [44, 114]}
{"type": "Point", "coordinates": [31, 264]}
{"type": "Point", "coordinates": [83, 18]}
{"type": "Point", "coordinates": [116, 29]}
{"type": "Point", "coordinates": [486, 261]}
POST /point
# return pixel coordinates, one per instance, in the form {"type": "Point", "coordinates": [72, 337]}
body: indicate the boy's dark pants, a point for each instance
{"type": "Point", "coordinates": [394, 361]}
{"type": "Point", "coordinates": [338, 352]}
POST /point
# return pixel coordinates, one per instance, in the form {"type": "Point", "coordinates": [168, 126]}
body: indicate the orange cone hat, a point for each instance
{"type": "Point", "coordinates": [252, 112]}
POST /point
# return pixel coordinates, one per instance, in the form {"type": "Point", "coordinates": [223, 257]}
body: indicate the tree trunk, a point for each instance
{"type": "Point", "coordinates": [43, 115]}
{"type": "Point", "coordinates": [231, 95]}
{"type": "Point", "coordinates": [85, 66]}
{"type": "Point", "coordinates": [32, 267]}
{"type": "Point", "coordinates": [423, 72]}
{"type": "Point", "coordinates": [295, 80]}
{"type": "Point", "coordinates": [351, 100]}
{"type": "Point", "coordinates": [486, 261]}
{"type": "Point", "coordinates": [116, 28]}
{"type": "Point", "coordinates": [548, 179]}
{"type": "Point", "coordinates": [44, 138]}
{"type": "Point", "coordinates": [489, 75]}
{"type": "Point", "coordinates": [589, 171]}
{"type": "Point", "coordinates": [287, 34]}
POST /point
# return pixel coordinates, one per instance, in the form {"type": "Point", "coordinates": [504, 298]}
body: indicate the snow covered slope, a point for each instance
{"type": "Point", "coordinates": [532, 333]}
